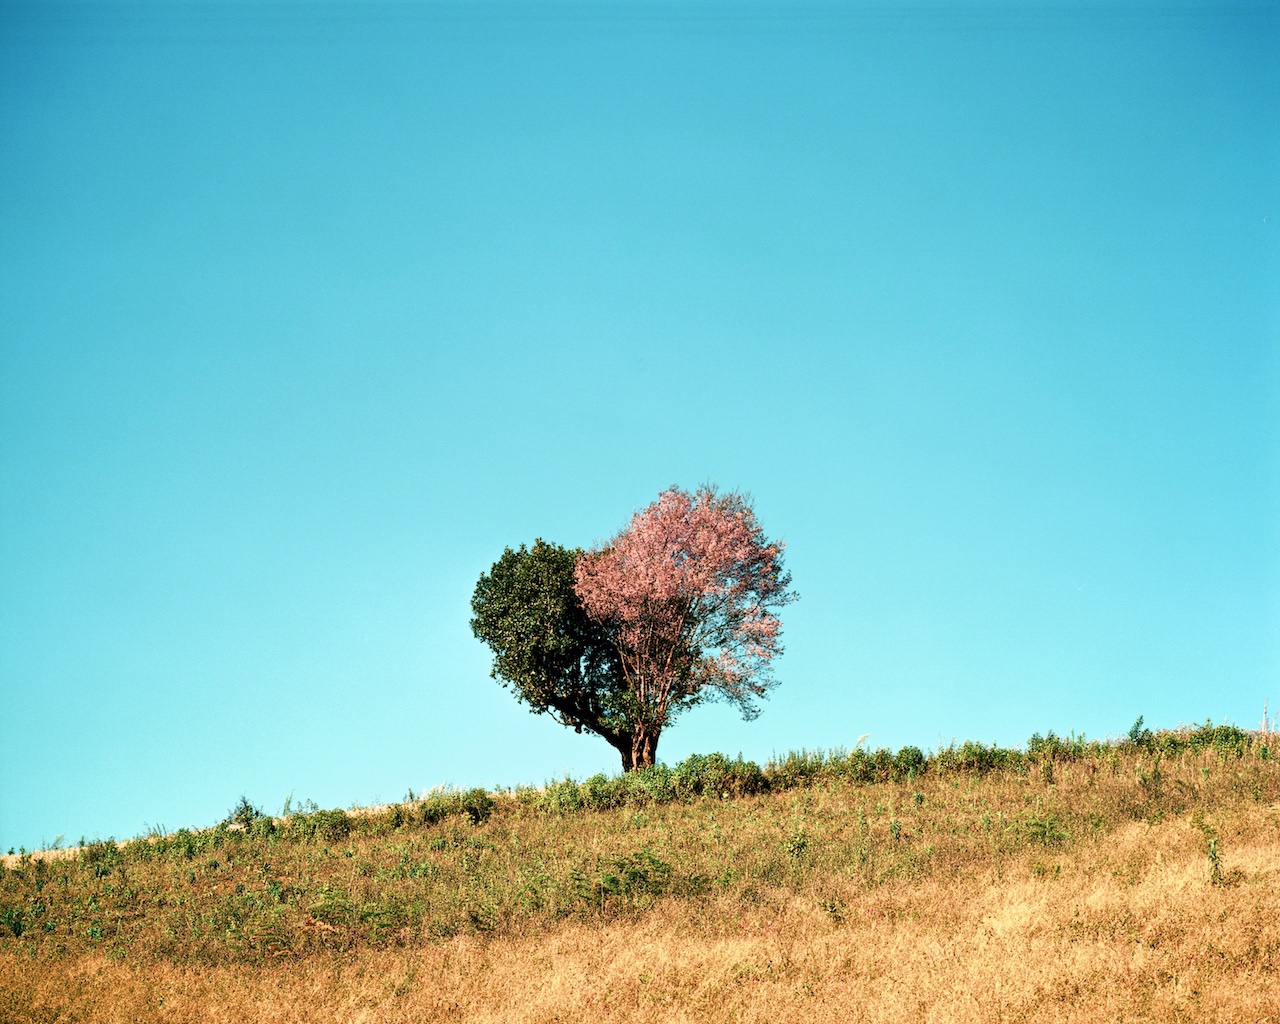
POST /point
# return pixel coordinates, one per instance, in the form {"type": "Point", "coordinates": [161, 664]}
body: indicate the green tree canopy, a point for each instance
{"type": "Point", "coordinates": [555, 658]}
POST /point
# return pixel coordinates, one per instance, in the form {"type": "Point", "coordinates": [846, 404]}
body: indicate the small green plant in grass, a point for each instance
{"type": "Point", "coordinates": [1047, 830]}
{"type": "Point", "coordinates": [1210, 847]}
{"type": "Point", "coordinates": [797, 844]}
{"type": "Point", "coordinates": [1152, 782]}
{"type": "Point", "coordinates": [12, 918]}
{"type": "Point", "coordinates": [637, 874]}
{"type": "Point", "coordinates": [1215, 864]}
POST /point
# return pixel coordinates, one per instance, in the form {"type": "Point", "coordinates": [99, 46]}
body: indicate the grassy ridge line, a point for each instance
{"type": "Point", "coordinates": [826, 830]}
{"type": "Point", "coordinates": [716, 775]}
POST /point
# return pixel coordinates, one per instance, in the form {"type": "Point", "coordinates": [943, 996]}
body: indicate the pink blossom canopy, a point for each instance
{"type": "Point", "coordinates": [689, 586]}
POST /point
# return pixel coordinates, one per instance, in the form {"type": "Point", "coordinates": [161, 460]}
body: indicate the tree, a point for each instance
{"type": "Point", "coordinates": [677, 609]}
{"type": "Point", "coordinates": [687, 593]}
{"type": "Point", "coordinates": [555, 658]}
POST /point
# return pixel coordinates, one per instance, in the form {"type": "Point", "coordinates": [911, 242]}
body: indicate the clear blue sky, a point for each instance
{"type": "Point", "coordinates": [307, 310]}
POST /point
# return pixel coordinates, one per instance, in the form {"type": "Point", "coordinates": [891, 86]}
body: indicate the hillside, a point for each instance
{"type": "Point", "coordinates": [1073, 880]}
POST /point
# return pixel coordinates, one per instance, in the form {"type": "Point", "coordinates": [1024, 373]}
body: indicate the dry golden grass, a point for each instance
{"type": "Point", "coordinates": [993, 899]}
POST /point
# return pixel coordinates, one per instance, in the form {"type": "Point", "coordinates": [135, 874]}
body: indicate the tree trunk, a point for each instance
{"type": "Point", "coordinates": [643, 752]}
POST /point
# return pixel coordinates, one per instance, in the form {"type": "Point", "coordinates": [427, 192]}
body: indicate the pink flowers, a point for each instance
{"type": "Point", "coordinates": [689, 587]}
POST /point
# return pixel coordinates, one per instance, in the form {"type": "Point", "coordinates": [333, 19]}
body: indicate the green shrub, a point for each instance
{"type": "Point", "coordinates": [1048, 830]}
{"type": "Point", "coordinates": [634, 877]}
{"type": "Point", "coordinates": [1139, 736]}
{"type": "Point", "coordinates": [652, 785]}
{"type": "Point", "coordinates": [1225, 740]}
{"type": "Point", "coordinates": [244, 813]}
{"type": "Point", "coordinates": [476, 804]}
{"type": "Point", "coordinates": [12, 918]}
{"type": "Point", "coordinates": [696, 776]}
{"type": "Point", "coordinates": [262, 827]}
{"type": "Point", "coordinates": [600, 793]}
{"type": "Point", "coordinates": [798, 768]}
{"type": "Point", "coordinates": [561, 797]}
{"type": "Point", "coordinates": [858, 767]}
{"type": "Point", "coordinates": [1057, 748]}
{"type": "Point", "coordinates": [974, 758]}
{"type": "Point", "coordinates": [715, 775]}
{"type": "Point", "coordinates": [326, 826]}
{"type": "Point", "coordinates": [908, 762]}
{"type": "Point", "coordinates": [881, 765]}
{"type": "Point", "coordinates": [1042, 748]}
{"type": "Point", "coordinates": [182, 844]}
{"type": "Point", "coordinates": [101, 856]}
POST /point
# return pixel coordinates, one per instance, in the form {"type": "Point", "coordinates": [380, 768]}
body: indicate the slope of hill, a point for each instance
{"type": "Point", "coordinates": [1081, 881]}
